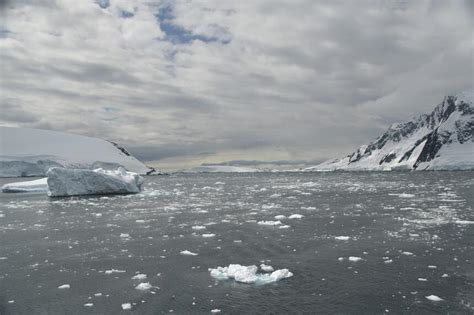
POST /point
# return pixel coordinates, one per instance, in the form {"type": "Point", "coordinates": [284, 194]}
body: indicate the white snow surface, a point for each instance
{"type": "Point", "coordinates": [31, 152]}
{"type": "Point", "coordinates": [248, 274]}
{"type": "Point", "coordinates": [38, 185]}
{"type": "Point", "coordinates": [405, 146]}
{"type": "Point", "coordinates": [73, 182]}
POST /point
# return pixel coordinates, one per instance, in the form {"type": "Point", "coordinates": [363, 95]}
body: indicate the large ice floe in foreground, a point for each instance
{"type": "Point", "coordinates": [248, 274]}
{"type": "Point", "coordinates": [73, 182]}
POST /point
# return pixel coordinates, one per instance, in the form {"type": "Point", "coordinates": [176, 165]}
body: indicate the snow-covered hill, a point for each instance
{"type": "Point", "coordinates": [31, 152]}
{"type": "Point", "coordinates": [441, 140]}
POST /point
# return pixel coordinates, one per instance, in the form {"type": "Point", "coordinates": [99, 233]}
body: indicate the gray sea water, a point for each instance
{"type": "Point", "coordinates": [413, 233]}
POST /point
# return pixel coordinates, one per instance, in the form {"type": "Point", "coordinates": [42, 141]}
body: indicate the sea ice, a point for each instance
{"type": "Point", "coordinates": [461, 222]}
{"type": "Point", "coordinates": [111, 271]}
{"type": "Point", "coordinates": [64, 286]}
{"type": "Point", "coordinates": [216, 310]}
{"type": "Point", "coordinates": [273, 223]}
{"type": "Point", "coordinates": [71, 182]}
{"type": "Point", "coordinates": [89, 304]}
{"type": "Point", "coordinates": [38, 185]}
{"type": "Point", "coordinates": [187, 253]}
{"type": "Point", "coordinates": [296, 216]}
{"type": "Point", "coordinates": [126, 306]}
{"type": "Point", "coordinates": [144, 286]}
{"type": "Point", "coordinates": [139, 276]}
{"type": "Point", "coordinates": [198, 227]}
{"type": "Point", "coordinates": [248, 274]}
{"type": "Point", "coordinates": [353, 258]}
{"type": "Point", "coordinates": [207, 235]}
{"type": "Point", "coordinates": [342, 238]}
{"type": "Point", "coordinates": [266, 268]}
{"type": "Point", "coordinates": [280, 217]}
{"type": "Point", "coordinates": [434, 298]}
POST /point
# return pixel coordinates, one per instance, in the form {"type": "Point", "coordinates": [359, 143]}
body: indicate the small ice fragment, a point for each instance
{"type": "Point", "coordinates": [124, 235]}
{"type": "Point", "coordinates": [64, 286]}
{"type": "Point", "coordinates": [11, 301]}
{"type": "Point", "coordinates": [422, 279]}
{"type": "Point", "coordinates": [388, 261]}
{"type": "Point", "coordinates": [445, 275]}
{"type": "Point", "coordinates": [340, 258]}
{"type": "Point", "coordinates": [111, 271]}
{"type": "Point", "coordinates": [432, 267]}
{"type": "Point", "coordinates": [280, 217]}
{"type": "Point", "coordinates": [284, 226]}
{"type": "Point", "coordinates": [98, 294]}
{"type": "Point", "coordinates": [144, 286]}
{"type": "Point", "coordinates": [126, 306]}
{"type": "Point", "coordinates": [187, 253]}
{"type": "Point", "coordinates": [434, 298]}
{"type": "Point", "coordinates": [266, 268]}
{"type": "Point", "coordinates": [462, 222]}
{"type": "Point", "coordinates": [198, 227]}
{"type": "Point", "coordinates": [353, 258]}
{"type": "Point", "coordinates": [271, 223]}
{"type": "Point", "coordinates": [342, 238]}
{"type": "Point", "coordinates": [216, 310]}
{"type": "Point", "coordinates": [207, 235]}
{"type": "Point", "coordinates": [296, 216]}
{"type": "Point", "coordinates": [140, 276]}
{"type": "Point", "coordinates": [407, 253]}
{"type": "Point", "coordinates": [89, 304]}
{"type": "Point", "coordinates": [140, 221]}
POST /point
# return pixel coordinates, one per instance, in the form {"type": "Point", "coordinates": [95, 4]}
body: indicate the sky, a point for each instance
{"type": "Point", "coordinates": [181, 83]}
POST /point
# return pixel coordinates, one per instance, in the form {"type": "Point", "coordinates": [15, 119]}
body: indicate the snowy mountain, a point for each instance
{"type": "Point", "coordinates": [441, 140]}
{"type": "Point", "coordinates": [31, 152]}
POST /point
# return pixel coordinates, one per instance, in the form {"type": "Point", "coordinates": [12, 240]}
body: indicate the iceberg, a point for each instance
{"type": "Point", "coordinates": [248, 274]}
{"type": "Point", "coordinates": [38, 185]}
{"type": "Point", "coordinates": [73, 182]}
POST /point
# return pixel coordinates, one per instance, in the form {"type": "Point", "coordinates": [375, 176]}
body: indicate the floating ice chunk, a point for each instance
{"type": "Point", "coordinates": [187, 253]}
{"type": "Point", "coordinates": [284, 226]}
{"type": "Point", "coordinates": [272, 223]}
{"type": "Point", "coordinates": [432, 267]}
{"type": "Point", "coordinates": [445, 275]}
{"type": "Point", "coordinates": [124, 235]}
{"type": "Point", "coordinates": [38, 185]}
{"type": "Point", "coordinates": [353, 258]}
{"type": "Point", "coordinates": [266, 268]}
{"type": "Point", "coordinates": [296, 216]}
{"type": "Point", "coordinates": [64, 286]}
{"type": "Point", "coordinates": [340, 258]}
{"type": "Point", "coordinates": [140, 276]}
{"type": "Point", "coordinates": [89, 304]}
{"type": "Point", "coordinates": [216, 310]}
{"type": "Point", "coordinates": [280, 217]}
{"type": "Point", "coordinates": [422, 279]}
{"type": "Point", "coordinates": [126, 306]}
{"type": "Point", "coordinates": [342, 238]}
{"type": "Point", "coordinates": [407, 253]}
{"type": "Point", "coordinates": [98, 294]}
{"type": "Point", "coordinates": [462, 222]}
{"type": "Point", "coordinates": [248, 274]}
{"type": "Point", "coordinates": [144, 286]}
{"type": "Point", "coordinates": [207, 235]}
{"type": "Point", "coordinates": [111, 271]}
{"type": "Point", "coordinates": [434, 298]}
{"type": "Point", "coordinates": [72, 182]}
{"type": "Point", "coordinates": [388, 261]}
{"type": "Point", "coordinates": [198, 227]}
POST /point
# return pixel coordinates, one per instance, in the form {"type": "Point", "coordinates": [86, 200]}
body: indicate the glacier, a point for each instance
{"type": "Point", "coordinates": [73, 182]}
{"type": "Point", "coordinates": [31, 152]}
{"type": "Point", "coordinates": [441, 140]}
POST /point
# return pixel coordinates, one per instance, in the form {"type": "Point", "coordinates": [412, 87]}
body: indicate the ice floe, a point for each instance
{"type": "Point", "coordinates": [296, 216]}
{"type": "Point", "coordinates": [207, 235]}
{"type": "Point", "coordinates": [187, 253]}
{"type": "Point", "coordinates": [434, 298]}
{"type": "Point", "coordinates": [139, 276]}
{"type": "Point", "coordinates": [111, 271]}
{"type": "Point", "coordinates": [38, 185]}
{"type": "Point", "coordinates": [280, 217]}
{"type": "Point", "coordinates": [126, 306]}
{"type": "Point", "coordinates": [144, 286]}
{"type": "Point", "coordinates": [271, 223]}
{"type": "Point", "coordinates": [215, 311]}
{"type": "Point", "coordinates": [64, 286]}
{"type": "Point", "coordinates": [266, 268]}
{"type": "Point", "coordinates": [248, 274]}
{"type": "Point", "coordinates": [342, 238]}
{"type": "Point", "coordinates": [72, 182]}
{"type": "Point", "coordinates": [354, 258]}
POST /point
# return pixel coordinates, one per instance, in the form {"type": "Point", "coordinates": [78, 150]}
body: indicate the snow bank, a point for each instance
{"type": "Point", "coordinates": [72, 182]}
{"type": "Point", "coordinates": [38, 185]}
{"type": "Point", "coordinates": [248, 274]}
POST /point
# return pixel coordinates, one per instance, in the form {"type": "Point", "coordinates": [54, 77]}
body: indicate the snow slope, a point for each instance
{"type": "Point", "coordinates": [31, 152]}
{"type": "Point", "coordinates": [441, 140]}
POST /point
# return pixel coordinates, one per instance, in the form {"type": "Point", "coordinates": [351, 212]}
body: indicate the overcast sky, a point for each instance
{"type": "Point", "coordinates": [191, 82]}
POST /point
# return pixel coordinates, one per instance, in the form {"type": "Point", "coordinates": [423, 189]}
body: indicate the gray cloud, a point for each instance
{"type": "Point", "coordinates": [216, 81]}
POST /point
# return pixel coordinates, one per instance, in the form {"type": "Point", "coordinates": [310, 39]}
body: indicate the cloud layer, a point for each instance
{"type": "Point", "coordinates": [210, 81]}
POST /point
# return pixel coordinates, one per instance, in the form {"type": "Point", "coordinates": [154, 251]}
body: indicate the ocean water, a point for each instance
{"type": "Point", "coordinates": [410, 236]}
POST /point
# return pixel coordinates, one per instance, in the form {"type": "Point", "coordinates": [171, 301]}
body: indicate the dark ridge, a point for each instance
{"type": "Point", "coordinates": [388, 158]}
{"type": "Point", "coordinates": [434, 142]}
{"type": "Point", "coordinates": [120, 148]}
{"type": "Point", "coordinates": [407, 154]}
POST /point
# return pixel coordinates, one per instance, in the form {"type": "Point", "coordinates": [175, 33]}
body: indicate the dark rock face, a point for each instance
{"type": "Point", "coordinates": [120, 148]}
{"type": "Point", "coordinates": [435, 132]}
